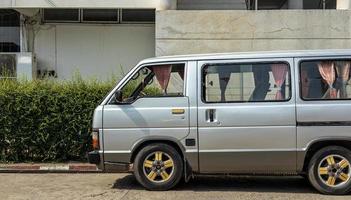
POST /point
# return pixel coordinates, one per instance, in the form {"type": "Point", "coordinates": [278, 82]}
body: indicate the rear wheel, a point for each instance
{"type": "Point", "coordinates": [158, 167]}
{"type": "Point", "coordinates": [329, 170]}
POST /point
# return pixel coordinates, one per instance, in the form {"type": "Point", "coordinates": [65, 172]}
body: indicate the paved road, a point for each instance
{"type": "Point", "coordinates": [124, 186]}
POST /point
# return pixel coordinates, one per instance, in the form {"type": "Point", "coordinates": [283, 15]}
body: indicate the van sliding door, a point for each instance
{"type": "Point", "coordinates": [246, 116]}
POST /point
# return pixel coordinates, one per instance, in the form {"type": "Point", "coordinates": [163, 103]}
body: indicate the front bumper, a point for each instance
{"type": "Point", "coordinates": [94, 157]}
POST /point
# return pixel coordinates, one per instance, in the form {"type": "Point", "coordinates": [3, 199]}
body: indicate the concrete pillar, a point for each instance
{"type": "Point", "coordinates": [343, 4]}
{"type": "Point", "coordinates": [295, 4]}
{"type": "Point", "coordinates": [167, 5]}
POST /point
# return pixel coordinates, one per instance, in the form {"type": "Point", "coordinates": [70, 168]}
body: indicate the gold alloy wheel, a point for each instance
{"type": "Point", "coordinates": [334, 170]}
{"type": "Point", "coordinates": [158, 167]}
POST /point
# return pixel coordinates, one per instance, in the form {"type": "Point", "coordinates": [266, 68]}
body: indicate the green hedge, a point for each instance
{"type": "Point", "coordinates": [44, 121]}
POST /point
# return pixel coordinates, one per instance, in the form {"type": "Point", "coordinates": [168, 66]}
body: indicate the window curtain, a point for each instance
{"type": "Point", "coordinates": [261, 80]}
{"type": "Point", "coordinates": [343, 71]}
{"type": "Point", "coordinates": [224, 77]}
{"type": "Point", "coordinates": [326, 69]}
{"type": "Point", "coordinates": [279, 73]}
{"type": "Point", "coordinates": [163, 74]}
{"type": "Point", "coordinates": [304, 83]}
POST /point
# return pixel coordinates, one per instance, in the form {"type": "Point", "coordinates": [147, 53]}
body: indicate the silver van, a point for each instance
{"type": "Point", "coordinates": [267, 113]}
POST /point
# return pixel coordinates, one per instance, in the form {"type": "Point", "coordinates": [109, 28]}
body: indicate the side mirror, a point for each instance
{"type": "Point", "coordinates": [119, 96]}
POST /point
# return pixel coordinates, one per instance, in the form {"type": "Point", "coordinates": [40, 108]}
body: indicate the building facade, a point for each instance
{"type": "Point", "coordinates": [59, 38]}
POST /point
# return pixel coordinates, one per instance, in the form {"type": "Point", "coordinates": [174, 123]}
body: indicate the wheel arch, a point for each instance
{"type": "Point", "coordinates": [316, 145]}
{"type": "Point", "coordinates": [175, 143]}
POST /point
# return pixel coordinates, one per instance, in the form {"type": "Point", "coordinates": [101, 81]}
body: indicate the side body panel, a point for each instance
{"type": "Point", "coordinates": [191, 152]}
{"type": "Point", "coordinates": [125, 125]}
{"type": "Point", "coordinates": [320, 120]}
{"type": "Point", "coordinates": [257, 137]}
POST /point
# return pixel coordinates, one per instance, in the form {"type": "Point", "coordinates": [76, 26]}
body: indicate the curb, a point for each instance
{"type": "Point", "coordinates": [48, 168]}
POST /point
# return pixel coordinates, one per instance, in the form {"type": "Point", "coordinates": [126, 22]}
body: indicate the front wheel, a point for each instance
{"type": "Point", "coordinates": [158, 167]}
{"type": "Point", "coordinates": [329, 170]}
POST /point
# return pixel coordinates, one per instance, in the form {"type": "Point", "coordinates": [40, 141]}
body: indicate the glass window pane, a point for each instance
{"type": "Point", "coordinates": [318, 4]}
{"type": "Point", "coordinates": [61, 15]}
{"type": "Point", "coordinates": [100, 15]}
{"type": "Point", "coordinates": [325, 79]}
{"type": "Point", "coordinates": [155, 81]}
{"type": "Point", "coordinates": [246, 82]}
{"type": "Point", "coordinates": [9, 30]}
{"type": "Point", "coordinates": [138, 15]}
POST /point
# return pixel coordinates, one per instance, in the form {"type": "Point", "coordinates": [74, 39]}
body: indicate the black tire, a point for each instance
{"type": "Point", "coordinates": [313, 171]}
{"type": "Point", "coordinates": [177, 168]}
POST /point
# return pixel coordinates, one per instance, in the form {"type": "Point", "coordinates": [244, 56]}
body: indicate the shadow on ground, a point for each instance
{"type": "Point", "coordinates": [293, 184]}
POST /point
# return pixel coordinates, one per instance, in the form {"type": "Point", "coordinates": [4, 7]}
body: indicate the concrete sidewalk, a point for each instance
{"type": "Point", "coordinates": [48, 167]}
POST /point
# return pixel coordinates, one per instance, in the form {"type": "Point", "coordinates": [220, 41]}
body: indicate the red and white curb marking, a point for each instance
{"type": "Point", "coordinates": [71, 167]}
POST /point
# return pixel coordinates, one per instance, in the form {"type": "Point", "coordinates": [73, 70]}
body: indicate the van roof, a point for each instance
{"type": "Point", "coordinates": [243, 55]}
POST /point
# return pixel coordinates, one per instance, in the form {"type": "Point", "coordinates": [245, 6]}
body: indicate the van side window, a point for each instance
{"type": "Point", "coordinates": [155, 81]}
{"type": "Point", "coordinates": [257, 82]}
{"type": "Point", "coordinates": [325, 79]}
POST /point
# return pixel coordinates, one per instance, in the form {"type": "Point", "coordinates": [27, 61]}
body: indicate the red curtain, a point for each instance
{"type": "Point", "coordinates": [327, 71]}
{"type": "Point", "coordinates": [279, 73]}
{"type": "Point", "coordinates": [162, 73]}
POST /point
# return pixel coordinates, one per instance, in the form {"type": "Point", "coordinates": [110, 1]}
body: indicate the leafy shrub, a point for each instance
{"type": "Point", "coordinates": [45, 120]}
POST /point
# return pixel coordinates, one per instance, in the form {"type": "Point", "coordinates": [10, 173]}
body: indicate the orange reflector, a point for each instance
{"type": "Point", "coordinates": [95, 136]}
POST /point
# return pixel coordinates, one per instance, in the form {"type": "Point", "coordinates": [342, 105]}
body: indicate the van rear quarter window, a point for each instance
{"type": "Point", "coordinates": [256, 82]}
{"type": "Point", "coordinates": [325, 80]}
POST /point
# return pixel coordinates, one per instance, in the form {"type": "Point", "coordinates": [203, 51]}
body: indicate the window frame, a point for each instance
{"type": "Point", "coordinates": [121, 21]}
{"type": "Point", "coordinates": [10, 25]}
{"type": "Point", "coordinates": [318, 60]}
{"type": "Point", "coordinates": [202, 78]}
{"type": "Point", "coordinates": [60, 21]}
{"type": "Point", "coordinates": [135, 70]}
{"type": "Point", "coordinates": [81, 21]}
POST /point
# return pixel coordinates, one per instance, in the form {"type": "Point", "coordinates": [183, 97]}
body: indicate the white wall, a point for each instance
{"type": "Point", "coordinates": [343, 4]}
{"type": "Point", "coordinates": [93, 50]}
{"type": "Point", "coordinates": [234, 31]}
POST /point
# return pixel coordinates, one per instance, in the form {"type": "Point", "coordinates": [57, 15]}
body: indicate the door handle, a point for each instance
{"type": "Point", "coordinates": [211, 116]}
{"type": "Point", "coordinates": [178, 111]}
